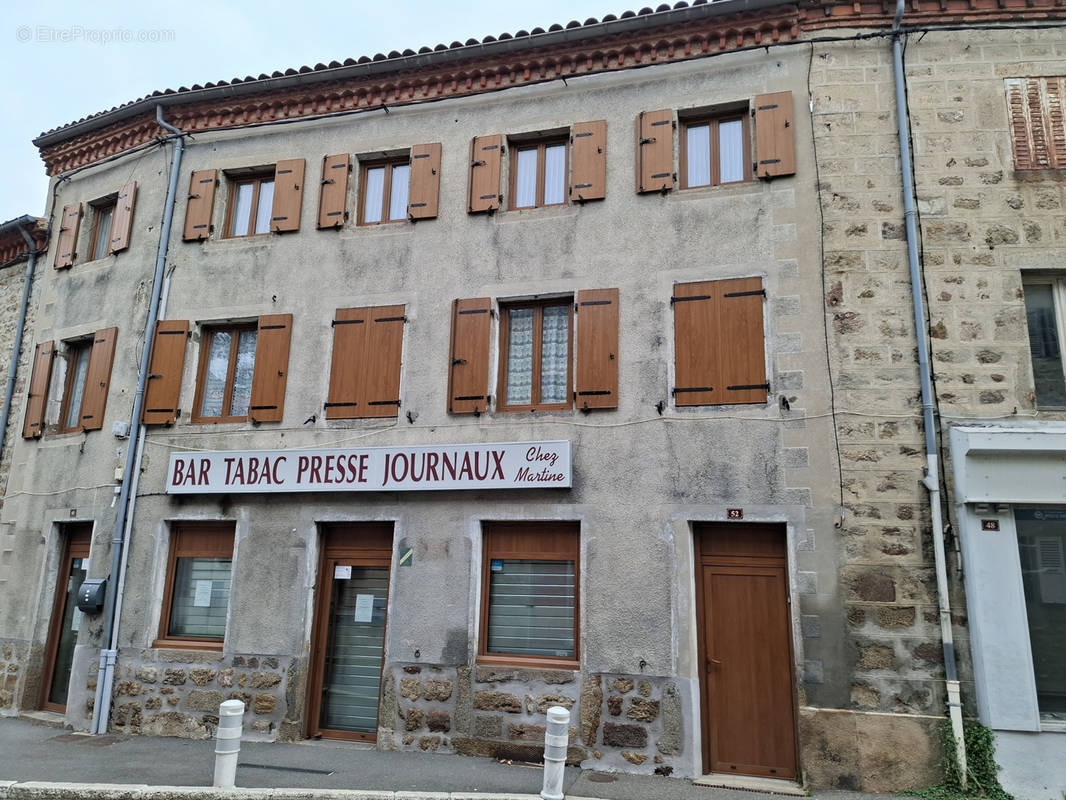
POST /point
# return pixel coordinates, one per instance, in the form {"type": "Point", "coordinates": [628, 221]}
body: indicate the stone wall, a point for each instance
{"type": "Point", "coordinates": [11, 661]}
{"type": "Point", "coordinates": [12, 280]}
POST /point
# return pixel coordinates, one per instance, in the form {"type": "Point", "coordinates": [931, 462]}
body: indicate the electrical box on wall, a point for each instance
{"type": "Point", "coordinates": [91, 595]}
{"type": "Point", "coordinates": [120, 428]}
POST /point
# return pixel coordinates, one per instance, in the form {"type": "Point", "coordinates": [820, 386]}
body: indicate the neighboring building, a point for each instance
{"type": "Point", "coordinates": [575, 367]}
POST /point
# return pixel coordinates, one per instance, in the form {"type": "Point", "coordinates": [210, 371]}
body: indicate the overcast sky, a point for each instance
{"type": "Point", "coordinates": [62, 61]}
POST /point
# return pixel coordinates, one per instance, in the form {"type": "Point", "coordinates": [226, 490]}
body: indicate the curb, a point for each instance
{"type": "Point", "coordinates": [42, 790]}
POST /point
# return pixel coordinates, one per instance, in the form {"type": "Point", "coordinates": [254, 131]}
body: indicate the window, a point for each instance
{"type": "Point", "coordinates": [261, 200]}
{"type": "Point", "coordinates": [77, 369]}
{"type": "Point", "coordinates": [196, 593]}
{"type": "Point", "coordinates": [101, 242]}
{"type": "Point", "coordinates": [251, 204]}
{"type": "Point", "coordinates": [535, 356]}
{"type": "Point", "coordinates": [715, 150]}
{"type": "Point", "coordinates": [365, 374]}
{"type": "Point", "coordinates": [538, 174]}
{"type": "Point", "coordinates": [1037, 111]}
{"type": "Point", "coordinates": [383, 191]}
{"type": "Point", "coordinates": [1045, 300]}
{"type": "Point", "coordinates": [67, 242]}
{"type": "Point", "coordinates": [81, 391]}
{"type": "Point", "coordinates": [243, 371]}
{"type": "Point", "coordinates": [719, 355]}
{"type": "Point", "coordinates": [530, 591]}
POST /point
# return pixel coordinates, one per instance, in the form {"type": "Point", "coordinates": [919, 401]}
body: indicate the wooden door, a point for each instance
{"type": "Point", "coordinates": [66, 619]}
{"type": "Point", "coordinates": [748, 700]}
{"type": "Point", "coordinates": [348, 640]}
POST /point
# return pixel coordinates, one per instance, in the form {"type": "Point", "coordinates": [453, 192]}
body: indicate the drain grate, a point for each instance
{"type": "Point", "coordinates": [287, 769]}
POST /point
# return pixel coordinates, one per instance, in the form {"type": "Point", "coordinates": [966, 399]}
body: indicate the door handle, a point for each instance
{"type": "Point", "coordinates": [712, 662]}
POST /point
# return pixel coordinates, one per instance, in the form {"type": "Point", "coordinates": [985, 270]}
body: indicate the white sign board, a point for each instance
{"type": "Point", "coordinates": [342, 572]}
{"type": "Point", "coordinates": [509, 465]}
{"type": "Point", "coordinates": [364, 607]}
{"type": "Point", "coordinates": [202, 598]}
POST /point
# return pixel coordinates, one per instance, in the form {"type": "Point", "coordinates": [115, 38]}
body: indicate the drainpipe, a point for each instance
{"type": "Point", "coordinates": [27, 284]}
{"type": "Point", "coordinates": [127, 500]}
{"type": "Point", "coordinates": [932, 472]}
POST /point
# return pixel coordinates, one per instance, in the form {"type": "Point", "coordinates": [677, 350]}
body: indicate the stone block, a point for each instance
{"type": "Point", "coordinates": [264, 680]}
{"type": "Point", "coordinates": [225, 677]}
{"type": "Point", "coordinates": [643, 710]}
{"type": "Point", "coordinates": [439, 721]}
{"type": "Point", "coordinates": [174, 677]}
{"type": "Point", "coordinates": [201, 676]}
{"type": "Point", "coordinates": [620, 735]}
{"type": "Point", "coordinates": [129, 688]}
{"type": "Point", "coordinates": [146, 674]}
{"type": "Point", "coordinates": [623, 685]}
{"type": "Point", "coordinates": [591, 701]}
{"type": "Point", "coordinates": [413, 719]}
{"type": "Point", "coordinates": [410, 688]}
{"type": "Point", "coordinates": [488, 727]}
{"type": "Point", "coordinates": [614, 705]}
{"type": "Point", "coordinates": [634, 758]}
{"type": "Point", "coordinates": [497, 701]}
{"type": "Point", "coordinates": [265, 704]}
{"type": "Point", "coordinates": [429, 742]}
{"type": "Point", "coordinates": [542, 702]}
{"type": "Point", "coordinates": [203, 700]}
{"type": "Point", "coordinates": [525, 732]}
{"type": "Point", "coordinates": [438, 689]}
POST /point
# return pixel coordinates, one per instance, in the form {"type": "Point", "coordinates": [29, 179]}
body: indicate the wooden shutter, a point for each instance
{"type": "Point", "coordinates": [97, 379]}
{"type": "Point", "coordinates": [588, 175]}
{"type": "Point", "coordinates": [694, 364]}
{"type": "Point", "coordinates": [271, 368]}
{"type": "Point", "coordinates": [122, 220]}
{"type": "Point", "coordinates": [381, 366]}
{"type": "Point", "coordinates": [655, 151]}
{"type": "Point", "coordinates": [468, 372]}
{"type": "Point", "coordinates": [349, 349]}
{"type": "Point", "coordinates": [288, 195]}
{"type": "Point", "coordinates": [333, 198]}
{"type": "Point", "coordinates": [486, 155]}
{"type": "Point", "coordinates": [424, 191]}
{"type": "Point", "coordinates": [1037, 108]}
{"type": "Point", "coordinates": [774, 145]}
{"type": "Point", "coordinates": [596, 385]}
{"type": "Point", "coordinates": [36, 398]}
{"type": "Point", "coordinates": [68, 236]}
{"type": "Point", "coordinates": [163, 392]}
{"type": "Point", "coordinates": [201, 205]}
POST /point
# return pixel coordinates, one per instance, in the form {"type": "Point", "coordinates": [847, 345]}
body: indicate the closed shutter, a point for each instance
{"type": "Point", "coordinates": [271, 368]}
{"type": "Point", "coordinates": [201, 205]}
{"type": "Point", "coordinates": [1037, 108]}
{"type": "Point", "coordinates": [740, 337]}
{"type": "Point", "coordinates": [589, 172]}
{"type": "Point", "coordinates": [41, 376]}
{"type": "Point", "coordinates": [655, 151]}
{"type": "Point", "coordinates": [775, 148]}
{"type": "Point", "coordinates": [122, 221]}
{"type": "Point", "coordinates": [468, 372]}
{"type": "Point", "coordinates": [486, 155]}
{"type": "Point", "coordinates": [349, 348]}
{"type": "Point", "coordinates": [163, 392]}
{"type": "Point", "coordinates": [424, 192]}
{"type": "Point", "coordinates": [97, 379]}
{"type": "Point", "coordinates": [381, 366]}
{"type": "Point", "coordinates": [333, 198]}
{"type": "Point", "coordinates": [597, 349]}
{"type": "Point", "coordinates": [695, 375]}
{"type": "Point", "coordinates": [288, 195]}
{"type": "Point", "coordinates": [68, 236]}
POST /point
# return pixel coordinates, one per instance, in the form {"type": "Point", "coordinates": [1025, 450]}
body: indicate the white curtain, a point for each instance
{"type": "Point", "coordinates": [520, 356]}
{"type": "Point", "coordinates": [698, 155]}
{"type": "Point", "coordinates": [555, 174]}
{"type": "Point", "coordinates": [266, 207]}
{"type": "Point", "coordinates": [242, 375]}
{"type": "Point", "coordinates": [525, 185]}
{"type": "Point", "coordinates": [401, 177]}
{"type": "Point", "coordinates": [731, 151]}
{"type": "Point", "coordinates": [375, 187]}
{"type": "Point", "coordinates": [554, 354]}
{"type": "Point", "coordinates": [242, 210]}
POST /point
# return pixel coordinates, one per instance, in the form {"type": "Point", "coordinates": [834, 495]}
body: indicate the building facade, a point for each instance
{"type": "Point", "coordinates": [575, 367]}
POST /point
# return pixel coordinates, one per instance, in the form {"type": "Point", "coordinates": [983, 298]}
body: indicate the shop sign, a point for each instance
{"type": "Point", "coordinates": [508, 465]}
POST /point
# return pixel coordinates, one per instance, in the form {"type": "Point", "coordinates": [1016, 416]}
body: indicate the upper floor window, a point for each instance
{"type": "Point", "coordinates": [225, 386]}
{"type": "Point", "coordinates": [1037, 110]}
{"type": "Point", "coordinates": [101, 241]}
{"type": "Point", "coordinates": [74, 389]}
{"type": "Point", "coordinates": [538, 174]}
{"type": "Point", "coordinates": [535, 356]}
{"type": "Point", "coordinates": [1045, 311]}
{"type": "Point", "coordinates": [384, 187]}
{"type": "Point", "coordinates": [261, 200]}
{"type": "Point", "coordinates": [715, 150]}
{"type": "Point", "coordinates": [251, 205]}
{"type": "Point", "coordinates": [111, 228]}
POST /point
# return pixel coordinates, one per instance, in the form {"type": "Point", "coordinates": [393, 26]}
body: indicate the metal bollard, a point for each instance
{"type": "Point", "coordinates": [556, 739]}
{"type": "Point", "coordinates": [228, 743]}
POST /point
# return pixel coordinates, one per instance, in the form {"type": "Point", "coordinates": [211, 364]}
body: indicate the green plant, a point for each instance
{"type": "Point", "coordinates": [981, 767]}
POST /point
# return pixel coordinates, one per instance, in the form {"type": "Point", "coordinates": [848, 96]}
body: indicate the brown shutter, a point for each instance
{"type": "Point", "coordinates": [589, 172]}
{"type": "Point", "coordinates": [333, 199]}
{"type": "Point", "coordinates": [97, 379]}
{"type": "Point", "coordinates": [271, 368]}
{"type": "Point", "coordinates": [655, 151]}
{"type": "Point", "coordinates": [201, 205]}
{"type": "Point", "coordinates": [288, 195]}
{"type": "Point", "coordinates": [696, 380]}
{"type": "Point", "coordinates": [41, 376]}
{"type": "Point", "coordinates": [468, 372]}
{"type": "Point", "coordinates": [597, 349]}
{"type": "Point", "coordinates": [774, 145]}
{"type": "Point", "coordinates": [345, 374]}
{"type": "Point", "coordinates": [68, 235]}
{"type": "Point", "coordinates": [1056, 116]}
{"type": "Point", "coordinates": [1037, 108]}
{"type": "Point", "coordinates": [381, 366]}
{"type": "Point", "coordinates": [122, 221]}
{"type": "Point", "coordinates": [424, 190]}
{"type": "Point", "coordinates": [486, 155]}
{"type": "Point", "coordinates": [163, 392]}
{"type": "Point", "coordinates": [739, 341]}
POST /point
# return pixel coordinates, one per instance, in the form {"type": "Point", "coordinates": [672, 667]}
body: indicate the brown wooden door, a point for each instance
{"type": "Point", "coordinates": [348, 640]}
{"type": "Point", "coordinates": [749, 718]}
{"type": "Point", "coordinates": [66, 619]}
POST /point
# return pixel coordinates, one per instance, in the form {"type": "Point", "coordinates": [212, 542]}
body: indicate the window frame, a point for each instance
{"type": "Point", "coordinates": [538, 318]}
{"type": "Point", "coordinates": [209, 331]}
{"type": "Point", "coordinates": [73, 351]}
{"type": "Point", "coordinates": [109, 206]}
{"type": "Point", "coordinates": [531, 530]}
{"type": "Point", "coordinates": [1057, 283]}
{"type": "Point", "coordinates": [256, 180]}
{"type": "Point", "coordinates": [180, 550]}
{"type": "Point", "coordinates": [389, 163]}
{"type": "Point", "coordinates": [541, 144]}
{"type": "Point", "coordinates": [714, 120]}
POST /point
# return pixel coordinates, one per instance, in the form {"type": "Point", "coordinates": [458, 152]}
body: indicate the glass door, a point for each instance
{"type": "Point", "coordinates": [66, 619]}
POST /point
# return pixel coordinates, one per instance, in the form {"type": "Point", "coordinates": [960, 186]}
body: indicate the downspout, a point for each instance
{"type": "Point", "coordinates": [932, 472]}
{"type": "Point", "coordinates": [27, 284]}
{"type": "Point", "coordinates": [127, 499]}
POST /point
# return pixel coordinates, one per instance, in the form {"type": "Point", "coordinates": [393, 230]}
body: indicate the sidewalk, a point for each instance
{"type": "Point", "coordinates": [42, 762]}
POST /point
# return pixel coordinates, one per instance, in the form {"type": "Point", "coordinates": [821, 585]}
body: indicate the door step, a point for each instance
{"type": "Point", "coordinates": [751, 783]}
{"type": "Point", "coordinates": [50, 719]}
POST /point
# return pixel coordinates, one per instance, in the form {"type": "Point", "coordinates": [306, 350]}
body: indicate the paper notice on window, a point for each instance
{"type": "Point", "coordinates": [342, 573]}
{"type": "Point", "coordinates": [364, 607]}
{"type": "Point", "coordinates": [203, 594]}
{"type": "Point", "coordinates": [75, 621]}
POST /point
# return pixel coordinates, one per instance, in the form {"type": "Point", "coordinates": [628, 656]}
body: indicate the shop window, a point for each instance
{"type": "Point", "coordinates": [715, 150]}
{"type": "Point", "coordinates": [81, 393]}
{"type": "Point", "coordinates": [530, 594]}
{"type": "Point", "coordinates": [1045, 301]}
{"type": "Point", "coordinates": [197, 588]}
{"type": "Point", "coordinates": [1037, 111]}
{"type": "Point", "coordinates": [719, 353]}
{"type": "Point", "coordinates": [365, 372]}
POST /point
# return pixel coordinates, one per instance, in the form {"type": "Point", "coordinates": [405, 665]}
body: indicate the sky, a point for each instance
{"type": "Point", "coordinates": [62, 61]}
